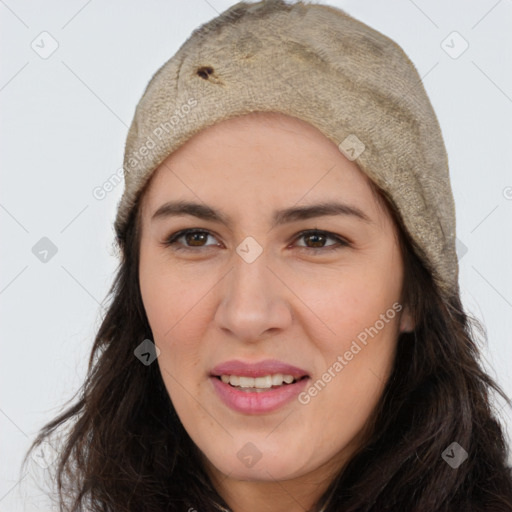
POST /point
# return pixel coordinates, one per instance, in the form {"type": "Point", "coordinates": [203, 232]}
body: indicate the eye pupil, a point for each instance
{"type": "Point", "coordinates": [318, 236]}
{"type": "Point", "coordinates": [190, 238]}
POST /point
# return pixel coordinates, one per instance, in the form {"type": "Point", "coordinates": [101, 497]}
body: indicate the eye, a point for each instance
{"type": "Point", "coordinates": [319, 237]}
{"type": "Point", "coordinates": [196, 238]}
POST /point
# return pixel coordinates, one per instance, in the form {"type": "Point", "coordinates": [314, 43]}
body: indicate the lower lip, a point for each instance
{"type": "Point", "coordinates": [252, 402]}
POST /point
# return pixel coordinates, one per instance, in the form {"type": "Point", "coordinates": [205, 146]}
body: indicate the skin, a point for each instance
{"type": "Point", "coordinates": [207, 305]}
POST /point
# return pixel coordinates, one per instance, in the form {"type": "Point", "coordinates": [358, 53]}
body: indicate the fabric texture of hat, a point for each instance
{"type": "Point", "coordinates": [318, 64]}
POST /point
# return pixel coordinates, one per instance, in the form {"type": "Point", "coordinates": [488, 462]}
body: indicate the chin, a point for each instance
{"type": "Point", "coordinates": [259, 472]}
{"type": "Point", "coordinates": [266, 464]}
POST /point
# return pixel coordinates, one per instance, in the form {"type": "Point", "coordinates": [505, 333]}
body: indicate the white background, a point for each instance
{"type": "Point", "coordinates": [63, 125]}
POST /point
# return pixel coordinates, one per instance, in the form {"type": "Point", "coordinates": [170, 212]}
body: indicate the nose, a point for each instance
{"type": "Point", "coordinates": [254, 301]}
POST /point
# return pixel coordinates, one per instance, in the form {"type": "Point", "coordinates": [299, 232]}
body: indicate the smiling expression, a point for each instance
{"type": "Point", "coordinates": [292, 258]}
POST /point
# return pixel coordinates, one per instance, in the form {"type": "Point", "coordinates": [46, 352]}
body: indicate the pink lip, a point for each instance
{"type": "Point", "coordinates": [252, 402]}
{"type": "Point", "coordinates": [259, 369]}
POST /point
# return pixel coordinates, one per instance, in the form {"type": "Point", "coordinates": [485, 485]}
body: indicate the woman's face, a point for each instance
{"type": "Point", "coordinates": [250, 296]}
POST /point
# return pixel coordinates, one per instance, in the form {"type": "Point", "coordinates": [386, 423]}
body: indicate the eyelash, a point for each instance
{"type": "Point", "coordinates": [172, 240]}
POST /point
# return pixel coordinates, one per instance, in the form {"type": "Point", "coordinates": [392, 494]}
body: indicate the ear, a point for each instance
{"type": "Point", "coordinates": [407, 323]}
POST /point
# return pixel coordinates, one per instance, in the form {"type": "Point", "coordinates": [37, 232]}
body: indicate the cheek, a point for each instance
{"type": "Point", "coordinates": [170, 299]}
{"type": "Point", "coordinates": [174, 309]}
{"type": "Point", "coordinates": [355, 341]}
{"type": "Point", "coordinates": [343, 305]}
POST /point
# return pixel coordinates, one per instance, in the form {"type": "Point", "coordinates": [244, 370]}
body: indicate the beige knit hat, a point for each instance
{"type": "Point", "coordinates": [318, 64]}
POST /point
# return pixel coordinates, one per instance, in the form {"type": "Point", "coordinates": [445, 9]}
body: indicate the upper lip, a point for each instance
{"type": "Point", "coordinates": [257, 369]}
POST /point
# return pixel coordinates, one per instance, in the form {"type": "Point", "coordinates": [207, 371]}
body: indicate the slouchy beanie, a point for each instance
{"type": "Point", "coordinates": [316, 63]}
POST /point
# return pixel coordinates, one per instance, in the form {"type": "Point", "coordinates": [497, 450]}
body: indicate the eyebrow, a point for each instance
{"type": "Point", "coordinates": [287, 215]}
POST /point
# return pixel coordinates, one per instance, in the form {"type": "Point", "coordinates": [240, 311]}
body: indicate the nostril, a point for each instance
{"type": "Point", "coordinates": [205, 72]}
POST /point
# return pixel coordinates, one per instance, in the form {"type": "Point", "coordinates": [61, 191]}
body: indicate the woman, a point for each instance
{"type": "Point", "coordinates": [286, 331]}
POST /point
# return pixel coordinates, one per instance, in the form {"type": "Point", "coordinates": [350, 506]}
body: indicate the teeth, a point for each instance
{"type": "Point", "coordinates": [265, 382]}
{"type": "Point", "coordinates": [277, 379]}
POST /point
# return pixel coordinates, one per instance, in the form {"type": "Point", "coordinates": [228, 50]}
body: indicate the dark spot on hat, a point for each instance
{"type": "Point", "coordinates": [205, 72]}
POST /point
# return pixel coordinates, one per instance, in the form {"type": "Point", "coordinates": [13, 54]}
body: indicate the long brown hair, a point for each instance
{"type": "Point", "coordinates": [128, 451]}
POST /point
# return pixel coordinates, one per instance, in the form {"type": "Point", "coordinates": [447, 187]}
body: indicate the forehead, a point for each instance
{"type": "Point", "coordinates": [260, 136]}
{"type": "Point", "coordinates": [263, 159]}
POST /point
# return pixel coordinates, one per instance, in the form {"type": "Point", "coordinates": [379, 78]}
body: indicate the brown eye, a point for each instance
{"type": "Point", "coordinates": [315, 241]}
{"type": "Point", "coordinates": [188, 239]}
{"type": "Point", "coordinates": [318, 239]}
{"type": "Point", "coordinates": [195, 239]}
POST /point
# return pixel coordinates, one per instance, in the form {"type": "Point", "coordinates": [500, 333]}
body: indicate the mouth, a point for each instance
{"type": "Point", "coordinates": [259, 384]}
{"type": "Point", "coordinates": [256, 388]}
